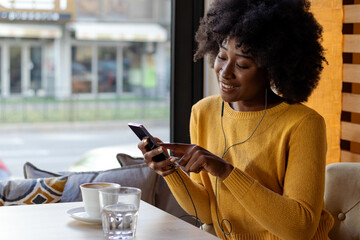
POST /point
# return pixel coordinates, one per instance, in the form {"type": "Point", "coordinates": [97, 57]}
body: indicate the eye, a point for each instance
{"type": "Point", "coordinates": [221, 56]}
{"type": "Point", "coordinates": [242, 66]}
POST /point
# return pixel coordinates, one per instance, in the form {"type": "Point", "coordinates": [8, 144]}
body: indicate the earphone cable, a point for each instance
{"type": "Point", "coordinates": [216, 181]}
{"type": "Point", "coordinates": [225, 151]}
{"type": "Point", "coordinates": [222, 127]}
{"type": "Point", "coordinates": [197, 220]}
{"type": "Point", "coordinates": [217, 215]}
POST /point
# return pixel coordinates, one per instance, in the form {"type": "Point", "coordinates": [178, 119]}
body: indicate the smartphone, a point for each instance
{"type": "Point", "coordinates": [141, 132]}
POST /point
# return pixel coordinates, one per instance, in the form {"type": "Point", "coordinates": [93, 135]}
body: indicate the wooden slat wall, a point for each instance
{"type": "Point", "coordinates": [351, 13]}
{"type": "Point", "coordinates": [350, 124]}
{"type": "Point", "coordinates": [350, 131]}
{"type": "Point", "coordinates": [351, 73]}
{"type": "Point", "coordinates": [351, 43]}
{"type": "Point", "coordinates": [351, 102]}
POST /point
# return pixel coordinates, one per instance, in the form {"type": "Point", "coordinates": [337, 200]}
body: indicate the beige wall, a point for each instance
{"type": "Point", "coordinates": [327, 97]}
{"type": "Point", "coordinates": [210, 82]}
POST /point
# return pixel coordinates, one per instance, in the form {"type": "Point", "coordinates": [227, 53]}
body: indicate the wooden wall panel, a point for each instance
{"type": "Point", "coordinates": [351, 43]}
{"type": "Point", "coordinates": [351, 13]}
{"type": "Point", "coordinates": [347, 156]}
{"type": "Point", "coordinates": [350, 125]}
{"type": "Point", "coordinates": [350, 131]}
{"type": "Point", "coordinates": [351, 102]}
{"type": "Point", "coordinates": [351, 73]}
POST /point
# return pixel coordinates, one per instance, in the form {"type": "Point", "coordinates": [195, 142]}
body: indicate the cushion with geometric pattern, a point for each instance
{"type": "Point", "coordinates": [139, 176]}
{"type": "Point", "coordinates": [32, 191]}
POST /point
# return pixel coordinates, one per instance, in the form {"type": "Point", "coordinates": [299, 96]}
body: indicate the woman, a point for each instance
{"type": "Point", "coordinates": [257, 158]}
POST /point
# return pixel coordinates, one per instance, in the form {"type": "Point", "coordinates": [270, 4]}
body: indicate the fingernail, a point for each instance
{"type": "Point", "coordinates": [172, 159]}
{"type": "Point", "coordinates": [160, 149]}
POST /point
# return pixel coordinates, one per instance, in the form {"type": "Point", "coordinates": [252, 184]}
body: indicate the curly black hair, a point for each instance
{"type": "Point", "coordinates": [282, 35]}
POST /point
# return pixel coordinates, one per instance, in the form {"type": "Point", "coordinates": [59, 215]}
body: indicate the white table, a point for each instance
{"type": "Point", "coordinates": [52, 222]}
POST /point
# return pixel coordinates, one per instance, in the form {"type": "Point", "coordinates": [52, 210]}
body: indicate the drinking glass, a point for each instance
{"type": "Point", "coordinates": [119, 212]}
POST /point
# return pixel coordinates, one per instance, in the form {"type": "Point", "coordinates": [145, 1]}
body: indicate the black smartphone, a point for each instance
{"type": "Point", "coordinates": [141, 132]}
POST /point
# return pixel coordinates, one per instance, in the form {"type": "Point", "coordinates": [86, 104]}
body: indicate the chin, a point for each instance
{"type": "Point", "coordinates": [227, 98]}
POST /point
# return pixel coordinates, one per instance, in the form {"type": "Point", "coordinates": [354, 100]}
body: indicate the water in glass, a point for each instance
{"type": "Point", "coordinates": [119, 221]}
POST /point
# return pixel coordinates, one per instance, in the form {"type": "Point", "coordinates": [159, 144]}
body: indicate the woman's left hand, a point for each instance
{"type": "Point", "coordinates": [195, 159]}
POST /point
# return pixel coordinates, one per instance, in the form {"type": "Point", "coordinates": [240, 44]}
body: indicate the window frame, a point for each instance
{"type": "Point", "coordinates": [187, 85]}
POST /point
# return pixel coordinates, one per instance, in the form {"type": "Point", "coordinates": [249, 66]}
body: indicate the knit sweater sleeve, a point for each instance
{"type": "Point", "coordinates": [190, 192]}
{"type": "Point", "coordinates": [294, 214]}
{"type": "Point", "coordinates": [192, 196]}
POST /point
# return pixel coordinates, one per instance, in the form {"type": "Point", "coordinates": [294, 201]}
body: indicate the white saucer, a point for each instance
{"type": "Point", "coordinates": [80, 214]}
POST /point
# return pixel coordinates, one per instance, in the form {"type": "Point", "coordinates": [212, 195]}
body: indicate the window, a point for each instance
{"type": "Point", "coordinates": [81, 69]}
{"type": "Point", "coordinates": [15, 69]}
{"type": "Point", "coordinates": [36, 71]}
{"type": "Point", "coordinates": [107, 69]}
{"type": "Point", "coordinates": [92, 74]}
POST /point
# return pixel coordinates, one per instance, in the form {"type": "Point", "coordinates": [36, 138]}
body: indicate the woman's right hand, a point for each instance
{"type": "Point", "coordinates": [162, 168]}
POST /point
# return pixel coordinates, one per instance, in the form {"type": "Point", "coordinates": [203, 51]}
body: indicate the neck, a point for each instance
{"type": "Point", "coordinates": [246, 106]}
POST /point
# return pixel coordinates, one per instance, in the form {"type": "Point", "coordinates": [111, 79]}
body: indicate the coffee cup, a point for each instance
{"type": "Point", "coordinates": [90, 196]}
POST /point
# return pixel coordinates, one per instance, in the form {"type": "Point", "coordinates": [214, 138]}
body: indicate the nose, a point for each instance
{"type": "Point", "coordinates": [227, 71]}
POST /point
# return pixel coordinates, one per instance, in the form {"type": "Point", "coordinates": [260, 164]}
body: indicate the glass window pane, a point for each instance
{"type": "Point", "coordinates": [15, 69]}
{"type": "Point", "coordinates": [1, 80]}
{"type": "Point", "coordinates": [132, 72]}
{"type": "Point", "coordinates": [140, 9]}
{"type": "Point", "coordinates": [81, 69]}
{"type": "Point", "coordinates": [35, 69]}
{"type": "Point", "coordinates": [107, 68]}
{"type": "Point", "coordinates": [88, 84]}
{"type": "Point", "coordinates": [117, 9]}
{"type": "Point", "coordinates": [88, 8]}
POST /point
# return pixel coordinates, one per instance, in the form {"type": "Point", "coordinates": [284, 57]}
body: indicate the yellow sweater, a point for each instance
{"type": "Point", "coordinates": [277, 186]}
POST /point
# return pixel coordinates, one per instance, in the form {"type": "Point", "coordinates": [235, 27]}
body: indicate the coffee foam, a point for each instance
{"type": "Point", "coordinates": [97, 185]}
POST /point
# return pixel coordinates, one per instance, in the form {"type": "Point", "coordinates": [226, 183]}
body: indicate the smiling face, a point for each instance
{"type": "Point", "coordinates": [241, 81]}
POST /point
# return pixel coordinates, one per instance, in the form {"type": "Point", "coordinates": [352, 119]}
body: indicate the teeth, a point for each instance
{"type": "Point", "coordinates": [227, 86]}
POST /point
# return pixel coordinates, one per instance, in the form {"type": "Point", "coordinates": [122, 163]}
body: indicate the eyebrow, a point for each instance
{"type": "Point", "coordinates": [237, 54]}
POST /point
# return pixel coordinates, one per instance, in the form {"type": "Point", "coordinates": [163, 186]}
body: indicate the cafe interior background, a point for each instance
{"type": "Point", "coordinates": [115, 61]}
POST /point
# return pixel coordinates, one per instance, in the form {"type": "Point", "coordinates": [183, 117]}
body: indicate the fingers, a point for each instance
{"type": "Point", "coordinates": [142, 145]}
{"type": "Point", "coordinates": [165, 167]}
{"type": "Point", "coordinates": [188, 153]}
{"type": "Point", "coordinates": [162, 168]}
{"type": "Point", "coordinates": [196, 159]}
{"type": "Point", "coordinates": [177, 149]}
{"type": "Point", "coordinates": [158, 140]}
{"type": "Point", "coordinates": [149, 156]}
{"type": "Point", "coordinates": [197, 165]}
{"type": "Point", "coordinates": [193, 160]}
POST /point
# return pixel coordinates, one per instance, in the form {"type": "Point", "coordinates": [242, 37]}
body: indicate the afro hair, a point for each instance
{"type": "Point", "coordinates": [282, 35]}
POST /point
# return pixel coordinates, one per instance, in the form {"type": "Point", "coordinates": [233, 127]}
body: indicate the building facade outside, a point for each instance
{"type": "Point", "coordinates": [84, 48]}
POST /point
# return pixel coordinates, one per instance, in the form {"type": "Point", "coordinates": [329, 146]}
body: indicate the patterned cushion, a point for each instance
{"type": "Point", "coordinates": [140, 176]}
{"type": "Point", "coordinates": [31, 191]}
{"type": "Point", "coordinates": [154, 188]}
